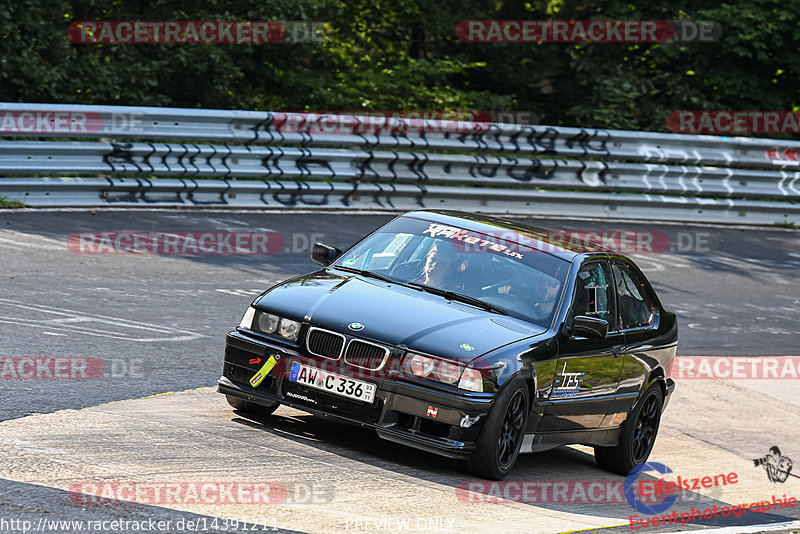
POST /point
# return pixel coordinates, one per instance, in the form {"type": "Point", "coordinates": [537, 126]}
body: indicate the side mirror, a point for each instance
{"type": "Point", "coordinates": [591, 327]}
{"type": "Point", "coordinates": [324, 254]}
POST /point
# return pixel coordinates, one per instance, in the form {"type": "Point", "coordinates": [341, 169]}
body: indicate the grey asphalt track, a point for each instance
{"type": "Point", "coordinates": [735, 295]}
{"type": "Point", "coordinates": [157, 323]}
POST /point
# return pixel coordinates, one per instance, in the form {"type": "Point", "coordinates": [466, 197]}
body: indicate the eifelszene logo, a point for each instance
{"type": "Point", "coordinates": [630, 489]}
{"type": "Point", "coordinates": [661, 493]}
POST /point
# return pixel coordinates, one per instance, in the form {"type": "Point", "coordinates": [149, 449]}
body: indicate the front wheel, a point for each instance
{"type": "Point", "coordinates": [638, 436]}
{"type": "Point", "coordinates": [251, 407]}
{"type": "Point", "coordinates": [501, 435]}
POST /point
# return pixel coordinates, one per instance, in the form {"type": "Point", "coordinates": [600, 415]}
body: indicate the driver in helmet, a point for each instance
{"type": "Point", "coordinates": [547, 296]}
{"type": "Point", "coordinates": [541, 295]}
{"type": "Point", "coordinates": [442, 267]}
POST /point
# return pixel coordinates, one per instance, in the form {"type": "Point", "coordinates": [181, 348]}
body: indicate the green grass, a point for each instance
{"type": "Point", "coordinates": [6, 202]}
{"type": "Point", "coordinates": [786, 224]}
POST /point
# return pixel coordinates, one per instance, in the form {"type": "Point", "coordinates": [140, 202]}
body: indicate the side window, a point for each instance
{"type": "Point", "coordinates": [635, 307]}
{"type": "Point", "coordinates": [593, 295]}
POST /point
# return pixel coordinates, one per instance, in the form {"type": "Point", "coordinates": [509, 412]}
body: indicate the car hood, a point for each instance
{"type": "Point", "coordinates": [395, 315]}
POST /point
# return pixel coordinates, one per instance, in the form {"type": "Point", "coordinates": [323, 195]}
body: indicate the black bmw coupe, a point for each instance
{"type": "Point", "coordinates": [467, 336]}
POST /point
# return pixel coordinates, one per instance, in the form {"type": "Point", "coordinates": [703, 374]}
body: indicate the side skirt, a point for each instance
{"type": "Point", "coordinates": [545, 441]}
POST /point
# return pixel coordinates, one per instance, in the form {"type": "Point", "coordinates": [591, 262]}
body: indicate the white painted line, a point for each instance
{"type": "Point", "coordinates": [20, 244]}
{"type": "Point", "coordinates": [32, 447]}
{"type": "Point", "coordinates": [766, 527]}
{"type": "Point", "coordinates": [242, 292]}
{"type": "Point", "coordinates": [113, 327]}
{"type": "Point", "coordinates": [649, 265]}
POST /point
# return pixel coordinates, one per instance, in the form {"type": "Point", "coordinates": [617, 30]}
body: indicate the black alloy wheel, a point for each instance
{"type": "Point", "coordinates": [512, 430]}
{"type": "Point", "coordinates": [638, 435]}
{"type": "Point", "coordinates": [502, 431]}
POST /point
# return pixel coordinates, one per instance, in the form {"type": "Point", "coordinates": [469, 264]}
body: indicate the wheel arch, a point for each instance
{"type": "Point", "coordinates": [655, 376]}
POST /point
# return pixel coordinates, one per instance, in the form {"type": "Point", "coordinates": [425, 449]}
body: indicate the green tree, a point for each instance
{"type": "Point", "coordinates": [404, 55]}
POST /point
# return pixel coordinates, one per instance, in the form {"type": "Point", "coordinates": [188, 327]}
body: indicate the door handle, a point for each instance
{"type": "Point", "coordinates": [617, 350]}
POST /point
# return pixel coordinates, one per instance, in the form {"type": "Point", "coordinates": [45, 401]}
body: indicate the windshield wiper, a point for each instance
{"type": "Point", "coordinates": [452, 295]}
{"type": "Point", "coordinates": [370, 274]}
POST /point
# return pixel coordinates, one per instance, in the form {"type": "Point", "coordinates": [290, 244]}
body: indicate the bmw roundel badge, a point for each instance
{"type": "Point", "coordinates": [355, 326]}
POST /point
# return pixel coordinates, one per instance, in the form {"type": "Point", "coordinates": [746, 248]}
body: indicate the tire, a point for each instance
{"type": "Point", "coordinates": [500, 438]}
{"type": "Point", "coordinates": [638, 435]}
{"type": "Point", "coordinates": [251, 407]}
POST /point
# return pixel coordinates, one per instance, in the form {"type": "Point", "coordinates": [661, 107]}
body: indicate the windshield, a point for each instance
{"type": "Point", "coordinates": [522, 281]}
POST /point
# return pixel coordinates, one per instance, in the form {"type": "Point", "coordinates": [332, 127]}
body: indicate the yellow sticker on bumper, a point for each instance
{"type": "Point", "coordinates": [264, 371]}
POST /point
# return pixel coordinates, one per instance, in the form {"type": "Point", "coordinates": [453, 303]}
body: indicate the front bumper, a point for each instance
{"type": "Point", "coordinates": [402, 411]}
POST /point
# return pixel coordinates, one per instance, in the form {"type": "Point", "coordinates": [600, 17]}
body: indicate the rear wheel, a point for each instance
{"type": "Point", "coordinates": [501, 436]}
{"type": "Point", "coordinates": [251, 407]}
{"type": "Point", "coordinates": [638, 435]}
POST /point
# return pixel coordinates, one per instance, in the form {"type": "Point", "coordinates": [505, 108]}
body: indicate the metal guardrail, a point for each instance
{"type": "Point", "coordinates": [266, 159]}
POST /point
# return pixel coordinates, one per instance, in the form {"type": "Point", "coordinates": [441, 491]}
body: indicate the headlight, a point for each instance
{"type": "Point", "coordinates": [247, 318]}
{"type": "Point", "coordinates": [266, 322]}
{"type": "Point", "coordinates": [472, 380]}
{"type": "Point", "coordinates": [420, 365]}
{"type": "Point", "coordinates": [447, 372]}
{"type": "Point", "coordinates": [444, 371]}
{"type": "Point", "coordinates": [289, 329]}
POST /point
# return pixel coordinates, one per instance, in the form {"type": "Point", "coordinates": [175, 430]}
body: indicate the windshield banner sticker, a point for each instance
{"type": "Point", "coordinates": [462, 236]}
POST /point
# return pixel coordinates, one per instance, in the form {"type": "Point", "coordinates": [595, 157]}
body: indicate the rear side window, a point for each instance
{"type": "Point", "coordinates": [636, 308]}
{"type": "Point", "coordinates": [593, 296]}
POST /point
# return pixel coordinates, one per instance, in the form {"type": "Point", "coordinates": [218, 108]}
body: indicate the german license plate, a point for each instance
{"type": "Point", "coordinates": [332, 383]}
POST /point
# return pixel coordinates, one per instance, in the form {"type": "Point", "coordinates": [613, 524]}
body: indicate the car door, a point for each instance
{"type": "Point", "coordinates": [587, 370]}
{"type": "Point", "coordinates": [638, 318]}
